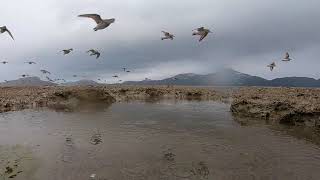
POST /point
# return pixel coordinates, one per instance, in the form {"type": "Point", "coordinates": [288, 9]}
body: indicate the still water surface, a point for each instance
{"type": "Point", "coordinates": [165, 140]}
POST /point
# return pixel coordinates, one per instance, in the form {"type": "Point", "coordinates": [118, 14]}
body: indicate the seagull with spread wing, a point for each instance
{"type": "Point", "coordinates": [202, 32]}
{"type": "Point", "coordinates": [167, 35]}
{"type": "Point", "coordinates": [94, 53]}
{"type": "Point", "coordinates": [272, 66]}
{"type": "Point", "coordinates": [67, 51]}
{"type": "Point", "coordinates": [30, 62]}
{"type": "Point", "coordinates": [49, 79]}
{"type": "Point", "coordinates": [286, 57]}
{"type": "Point", "coordinates": [4, 29]}
{"type": "Point", "coordinates": [101, 23]}
{"type": "Point", "coordinates": [45, 71]}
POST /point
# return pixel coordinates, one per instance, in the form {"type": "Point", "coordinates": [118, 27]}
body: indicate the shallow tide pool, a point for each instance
{"type": "Point", "coordinates": [162, 140]}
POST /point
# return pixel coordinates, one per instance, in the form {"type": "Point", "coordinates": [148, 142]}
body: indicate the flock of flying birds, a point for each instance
{"type": "Point", "coordinates": [104, 23]}
{"type": "Point", "coordinates": [286, 59]}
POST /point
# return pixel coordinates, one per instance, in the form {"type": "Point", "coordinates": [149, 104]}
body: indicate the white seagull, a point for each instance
{"type": "Point", "coordinates": [67, 51]}
{"type": "Point", "coordinates": [30, 62]}
{"type": "Point", "coordinates": [167, 35]}
{"type": "Point", "coordinates": [272, 66]}
{"type": "Point", "coordinates": [4, 29]}
{"type": "Point", "coordinates": [202, 32]}
{"type": "Point", "coordinates": [286, 57]}
{"type": "Point", "coordinates": [45, 71]}
{"type": "Point", "coordinates": [101, 23]}
{"type": "Point", "coordinates": [94, 53]}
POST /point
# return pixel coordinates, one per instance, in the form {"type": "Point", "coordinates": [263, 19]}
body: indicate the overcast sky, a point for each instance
{"type": "Point", "coordinates": [248, 35]}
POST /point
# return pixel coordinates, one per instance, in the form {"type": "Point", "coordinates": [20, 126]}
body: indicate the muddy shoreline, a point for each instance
{"type": "Point", "coordinates": [19, 98]}
{"type": "Point", "coordinates": [290, 106]}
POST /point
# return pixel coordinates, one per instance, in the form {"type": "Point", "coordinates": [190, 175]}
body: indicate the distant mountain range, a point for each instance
{"type": "Point", "coordinates": [225, 77]}
{"type": "Point", "coordinates": [28, 81]}
{"type": "Point", "coordinates": [229, 77]}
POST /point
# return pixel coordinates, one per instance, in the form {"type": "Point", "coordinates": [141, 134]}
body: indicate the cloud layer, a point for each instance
{"type": "Point", "coordinates": [248, 35]}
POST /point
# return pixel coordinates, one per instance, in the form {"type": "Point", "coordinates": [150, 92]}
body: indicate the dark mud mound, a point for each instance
{"type": "Point", "coordinates": [84, 98]}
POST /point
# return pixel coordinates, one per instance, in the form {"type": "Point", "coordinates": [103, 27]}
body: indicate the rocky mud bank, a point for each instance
{"type": "Point", "coordinates": [290, 106]}
{"type": "Point", "coordinates": [69, 98]}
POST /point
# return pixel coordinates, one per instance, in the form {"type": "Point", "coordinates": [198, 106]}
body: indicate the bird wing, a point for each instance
{"type": "Point", "coordinates": [98, 55]}
{"type": "Point", "coordinates": [97, 18]}
{"type": "Point", "coordinates": [203, 36]}
{"type": "Point", "coordinates": [165, 33]}
{"type": "Point", "coordinates": [287, 55]}
{"type": "Point", "coordinates": [9, 33]}
{"type": "Point", "coordinates": [200, 29]}
{"type": "Point", "coordinates": [91, 50]}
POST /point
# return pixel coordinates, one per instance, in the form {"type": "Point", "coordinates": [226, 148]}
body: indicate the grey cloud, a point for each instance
{"type": "Point", "coordinates": [248, 35]}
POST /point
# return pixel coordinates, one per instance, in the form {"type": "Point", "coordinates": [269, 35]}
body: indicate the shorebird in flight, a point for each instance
{"type": "Point", "coordinates": [24, 75]}
{"type": "Point", "coordinates": [4, 29]}
{"type": "Point", "coordinates": [49, 79]}
{"type": "Point", "coordinates": [286, 57]}
{"type": "Point", "coordinates": [45, 71]}
{"type": "Point", "coordinates": [67, 51]}
{"type": "Point", "coordinates": [202, 32]}
{"type": "Point", "coordinates": [115, 76]}
{"type": "Point", "coordinates": [128, 71]}
{"type": "Point", "coordinates": [272, 66]}
{"type": "Point", "coordinates": [4, 62]}
{"type": "Point", "coordinates": [30, 62]}
{"type": "Point", "coordinates": [101, 23]}
{"type": "Point", "coordinates": [167, 35]}
{"type": "Point", "coordinates": [94, 53]}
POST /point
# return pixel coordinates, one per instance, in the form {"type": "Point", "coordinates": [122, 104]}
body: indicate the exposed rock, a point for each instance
{"type": "Point", "coordinates": [292, 106]}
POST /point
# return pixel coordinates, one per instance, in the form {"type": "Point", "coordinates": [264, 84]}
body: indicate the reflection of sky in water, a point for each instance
{"type": "Point", "coordinates": [129, 141]}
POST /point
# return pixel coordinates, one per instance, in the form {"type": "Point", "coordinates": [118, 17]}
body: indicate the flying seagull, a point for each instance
{"type": "Point", "coordinates": [49, 79]}
{"type": "Point", "coordinates": [4, 62]}
{"type": "Point", "coordinates": [45, 71]}
{"type": "Point", "coordinates": [30, 62]}
{"type": "Point", "coordinates": [286, 57]}
{"type": "Point", "coordinates": [67, 51]}
{"type": "Point", "coordinates": [101, 23]}
{"type": "Point", "coordinates": [115, 76]}
{"type": "Point", "coordinates": [167, 35]}
{"type": "Point", "coordinates": [272, 66]}
{"type": "Point", "coordinates": [128, 71]}
{"type": "Point", "coordinates": [94, 53]}
{"type": "Point", "coordinates": [202, 32]}
{"type": "Point", "coordinates": [4, 29]}
{"type": "Point", "coordinates": [24, 75]}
